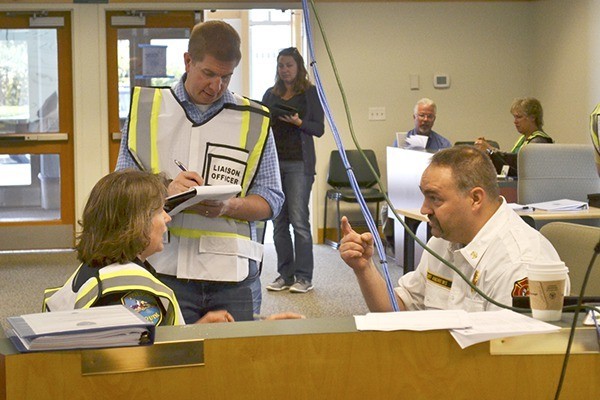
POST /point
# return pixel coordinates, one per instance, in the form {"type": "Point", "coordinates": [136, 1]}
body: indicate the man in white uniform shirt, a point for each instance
{"type": "Point", "coordinates": [473, 228]}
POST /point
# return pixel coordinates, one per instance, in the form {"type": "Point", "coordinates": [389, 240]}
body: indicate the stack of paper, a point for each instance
{"type": "Point", "coordinates": [560, 205]}
{"type": "Point", "coordinates": [416, 142]}
{"type": "Point", "coordinates": [109, 326]}
{"type": "Point", "coordinates": [466, 328]}
{"type": "Point", "coordinates": [488, 325]}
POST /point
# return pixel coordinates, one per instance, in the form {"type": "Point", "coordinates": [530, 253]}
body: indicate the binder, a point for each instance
{"type": "Point", "coordinates": [96, 327]}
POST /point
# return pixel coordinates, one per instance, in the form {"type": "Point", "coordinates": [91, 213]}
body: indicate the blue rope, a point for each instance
{"type": "Point", "coordinates": [361, 201]}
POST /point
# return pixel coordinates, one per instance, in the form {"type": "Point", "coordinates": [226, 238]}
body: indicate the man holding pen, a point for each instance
{"type": "Point", "coordinates": [211, 253]}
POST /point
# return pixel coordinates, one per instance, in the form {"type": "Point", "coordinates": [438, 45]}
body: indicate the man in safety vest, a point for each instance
{"type": "Point", "coordinates": [211, 253]}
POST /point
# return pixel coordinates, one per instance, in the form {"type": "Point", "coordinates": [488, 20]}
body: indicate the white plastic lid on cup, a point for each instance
{"type": "Point", "coordinates": [551, 300]}
{"type": "Point", "coordinates": [546, 265]}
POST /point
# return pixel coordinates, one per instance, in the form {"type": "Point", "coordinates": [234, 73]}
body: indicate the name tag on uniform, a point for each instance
{"type": "Point", "coordinates": [439, 280]}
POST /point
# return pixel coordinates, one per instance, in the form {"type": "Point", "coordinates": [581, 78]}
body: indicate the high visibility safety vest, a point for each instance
{"type": "Point", "coordinates": [594, 133]}
{"type": "Point", "coordinates": [522, 141]}
{"type": "Point", "coordinates": [110, 280]}
{"type": "Point", "coordinates": [226, 149]}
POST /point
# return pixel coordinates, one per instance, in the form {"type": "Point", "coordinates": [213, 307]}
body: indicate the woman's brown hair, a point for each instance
{"type": "Point", "coordinates": [117, 218]}
{"type": "Point", "coordinates": [301, 83]}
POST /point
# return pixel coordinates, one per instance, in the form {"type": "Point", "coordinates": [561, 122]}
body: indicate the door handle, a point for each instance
{"type": "Point", "coordinates": [34, 137]}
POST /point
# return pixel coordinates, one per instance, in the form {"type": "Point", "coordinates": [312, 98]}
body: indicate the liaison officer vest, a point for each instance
{"type": "Point", "coordinates": [130, 284]}
{"type": "Point", "coordinates": [226, 149]}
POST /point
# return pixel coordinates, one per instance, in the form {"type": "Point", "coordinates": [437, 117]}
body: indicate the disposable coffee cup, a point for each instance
{"type": "Point", "coordinates": [547, 282]}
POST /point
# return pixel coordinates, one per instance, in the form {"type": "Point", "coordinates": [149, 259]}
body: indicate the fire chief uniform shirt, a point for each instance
{"type": "Point", "coordinates": [495, 261]}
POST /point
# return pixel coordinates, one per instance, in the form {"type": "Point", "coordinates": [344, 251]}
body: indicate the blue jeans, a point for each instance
{"type": "Point", "coordinates": [196, 298]}
{"type": "Point", "coordinates": [294, 260]}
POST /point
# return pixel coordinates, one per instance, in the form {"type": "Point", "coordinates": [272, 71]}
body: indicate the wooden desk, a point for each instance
{"type": "Point", "coordinates": [325, 358]}
{"type": "Point", "coordinates": [569, 216]}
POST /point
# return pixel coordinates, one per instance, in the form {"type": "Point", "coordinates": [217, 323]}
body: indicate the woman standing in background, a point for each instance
{"type": "Point", "coordinates": [297, 116]}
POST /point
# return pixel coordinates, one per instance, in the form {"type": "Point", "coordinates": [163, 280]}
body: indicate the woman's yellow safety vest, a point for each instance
{"type": "Point", "coordinates": [522, 141]}
{"type": "Point", "coordinates": [110, 280]}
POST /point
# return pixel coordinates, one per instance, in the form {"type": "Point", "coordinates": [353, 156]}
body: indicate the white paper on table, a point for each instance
{"type": "Point", "coordinates": [412, 320]}
{"type": "Point", "coordinates": [416, 142]}
{"type": "Point", "coordinates": [487, 325]}
{"type": "Point", "coordinates": [589, 320]}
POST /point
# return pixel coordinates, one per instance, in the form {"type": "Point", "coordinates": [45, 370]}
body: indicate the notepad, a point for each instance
{"type": "Point", "coordinates": [488, 325]}
{"type": "Point", "coordinates": [97, 327]}
{"type": "Point", "coordinates": [179, 202]}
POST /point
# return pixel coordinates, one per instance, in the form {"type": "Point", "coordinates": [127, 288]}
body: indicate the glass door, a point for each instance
{"type": "Point", "coordinates": [36, 131]}
{"type": "Point", "coordinates": [144, 48]}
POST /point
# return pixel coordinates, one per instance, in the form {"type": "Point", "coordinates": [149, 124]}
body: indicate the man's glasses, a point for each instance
{"type": "Point", "coordinates": [426, 116]}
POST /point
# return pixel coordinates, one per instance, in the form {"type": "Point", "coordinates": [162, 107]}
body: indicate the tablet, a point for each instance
{"type": "Point", "coordinates": [279, 110]}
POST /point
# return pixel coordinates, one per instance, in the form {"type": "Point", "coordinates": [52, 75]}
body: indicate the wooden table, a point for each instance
{"type": "Point", "coordinates": [318, 358]}
{"type": "Point", "coordinates": [532, 216]}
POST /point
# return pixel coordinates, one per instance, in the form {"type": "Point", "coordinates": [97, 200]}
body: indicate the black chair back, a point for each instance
{"type": "Point", "coordinates": [337, 172]}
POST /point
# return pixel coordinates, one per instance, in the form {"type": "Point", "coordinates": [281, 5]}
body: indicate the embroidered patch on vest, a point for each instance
{"type": "Point", "coordinates": [144, 304]}
{"type": "Point", "coordinates": [439, 280]}
{"type": "Point", "coordinates": [521, 288]}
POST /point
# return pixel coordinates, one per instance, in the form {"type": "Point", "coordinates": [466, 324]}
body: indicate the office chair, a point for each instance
{"type": "Point", "coordinates": [556, 171]}
{"type": "Point", "coordinates": [574, 244]}
{"type": "Point", "coordinates": [342, 191]}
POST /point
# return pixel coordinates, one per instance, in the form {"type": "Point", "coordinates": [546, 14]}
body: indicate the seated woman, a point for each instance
{"type": "Point", "coordinates": [529, 120]}
{"type": "Point", "coordinates": [123, 223]}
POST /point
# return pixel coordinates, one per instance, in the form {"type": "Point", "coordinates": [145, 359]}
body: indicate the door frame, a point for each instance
{"type": "Point", "coordinates": [57, 233]}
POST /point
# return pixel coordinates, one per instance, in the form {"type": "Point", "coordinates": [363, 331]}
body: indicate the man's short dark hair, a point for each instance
{"type": "Point", "coordinates": [217, 38]}
{"type": "Point", "coordinates": [470, 168]}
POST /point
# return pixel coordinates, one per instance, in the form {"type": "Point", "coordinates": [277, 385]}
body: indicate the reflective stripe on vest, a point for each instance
{"type": "Point", "coordinates": [145, 103]}
{"type": "Point", "coordinates": [522, 141]}
{"type": "Point", "coordinates": [255, 128]}
{"type": "Point", "coordinates": [594, 130]}
{"type": "Point", "coordinates": [119, 279]}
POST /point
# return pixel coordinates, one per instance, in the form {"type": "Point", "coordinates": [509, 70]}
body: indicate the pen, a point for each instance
{"type": "Point", "coordinates": [180, 165]}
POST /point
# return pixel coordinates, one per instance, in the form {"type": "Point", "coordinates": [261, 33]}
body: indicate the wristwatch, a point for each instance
{"type": "Point", "coordinates": [489, 151]}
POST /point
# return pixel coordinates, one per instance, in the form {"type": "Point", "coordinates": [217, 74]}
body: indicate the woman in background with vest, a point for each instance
{"type": "Point", "coordinates": [123, 223]}
{"type": "Point", "coordinates": [297, 117]}
{"type": "Point", "coordinates": [529, 120]}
